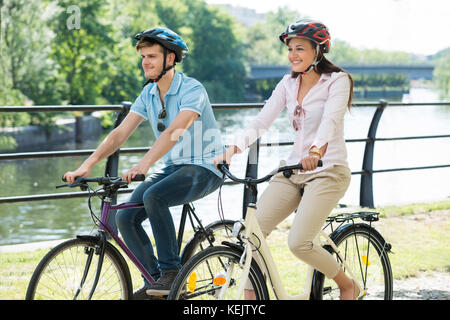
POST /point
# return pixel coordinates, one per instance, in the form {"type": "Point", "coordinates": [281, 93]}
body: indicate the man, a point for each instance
{"type": "Point", "coordinates": [187, 140]}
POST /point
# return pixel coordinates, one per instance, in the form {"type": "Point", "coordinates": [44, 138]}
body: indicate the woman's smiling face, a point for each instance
{"type": "Point", "coordinates": [301, 54]}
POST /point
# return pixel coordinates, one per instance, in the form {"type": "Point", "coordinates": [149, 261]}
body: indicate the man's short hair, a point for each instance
{"type": "Point", "coordinates": [147, 43]}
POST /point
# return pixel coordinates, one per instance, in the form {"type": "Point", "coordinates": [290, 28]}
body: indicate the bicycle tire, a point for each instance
{"type": "Point", "coordinates": [209, 265]}
{"type": "Point", "coordinates": [371, 267]}
{"type": "Point", "coordinates": [221, 231]}
{"type": "Point", "coordinates": [58, 275]}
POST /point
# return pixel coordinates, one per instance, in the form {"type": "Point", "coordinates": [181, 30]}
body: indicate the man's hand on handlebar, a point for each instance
{"type": "Point", "coordinates": [82, 171]}
{"type": "Point", "coordinates": [82, 181]}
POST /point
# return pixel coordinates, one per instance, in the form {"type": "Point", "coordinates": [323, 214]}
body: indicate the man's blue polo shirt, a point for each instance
{"type": "Point", "coordinates": [202, 141]}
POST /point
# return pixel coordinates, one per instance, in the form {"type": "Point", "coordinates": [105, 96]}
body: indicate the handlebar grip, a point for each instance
{"type": "Point", "coordinates": [223, 164]}
{"type": "Point", "coordinates": [65, 180]}
{"type": "Point", "coordinates": [139, 177]}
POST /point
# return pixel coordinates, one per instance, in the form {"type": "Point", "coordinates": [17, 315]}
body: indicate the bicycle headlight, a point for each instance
{"type": "Point", "coordinates": [238, 227]}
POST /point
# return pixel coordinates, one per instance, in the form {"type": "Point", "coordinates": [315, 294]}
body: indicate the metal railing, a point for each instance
{"type": "Point", "coordinates": [112, 163]}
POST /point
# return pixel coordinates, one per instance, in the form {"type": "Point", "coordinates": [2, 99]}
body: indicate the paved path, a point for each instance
{"type": "Point", "coordinates": [426, 286]}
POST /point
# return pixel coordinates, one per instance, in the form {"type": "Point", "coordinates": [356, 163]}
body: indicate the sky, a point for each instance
{"type": "Point", "coordinates": [415, 26]}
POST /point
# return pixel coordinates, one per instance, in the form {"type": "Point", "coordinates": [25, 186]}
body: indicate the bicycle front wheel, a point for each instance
{"type": "Point", "coordinates": [215, 274]}
{"type": "Point", "coordinates": [366, 253]}
{"type": "Point", "coordinates": [68, 271]}
{"type": "Point", "coordinates": [214, 234]}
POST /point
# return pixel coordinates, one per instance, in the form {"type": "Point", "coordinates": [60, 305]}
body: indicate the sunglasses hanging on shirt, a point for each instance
{"type": "Point", "coordinates": [162, 115]}
{"type": "Point", "coordinates": [297, 121]}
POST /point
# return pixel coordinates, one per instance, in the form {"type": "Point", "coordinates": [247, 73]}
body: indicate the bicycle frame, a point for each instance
{"type": "Point", "coordinates": [104, 226]}
{"type": "Point", "coordinates": [252, 231]}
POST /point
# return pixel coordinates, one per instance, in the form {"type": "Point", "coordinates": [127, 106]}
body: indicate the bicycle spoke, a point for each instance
{"type": "Point", "coordinates": [70, 274]}
{"type": "Point", "coordinates": [365, 256]}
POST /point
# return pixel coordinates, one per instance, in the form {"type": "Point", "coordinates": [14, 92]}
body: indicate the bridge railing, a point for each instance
{"type": "Point", "coordinates": [112, 163]}
{"type": "Point", "coordinates": [413, 72]}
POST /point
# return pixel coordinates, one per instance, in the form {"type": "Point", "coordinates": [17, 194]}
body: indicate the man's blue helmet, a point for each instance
{"type": "Point", "coordinates": [168, 39]}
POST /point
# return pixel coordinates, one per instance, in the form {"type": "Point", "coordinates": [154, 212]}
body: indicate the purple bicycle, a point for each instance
{"type": "Point", "coordinates": [91, 267]}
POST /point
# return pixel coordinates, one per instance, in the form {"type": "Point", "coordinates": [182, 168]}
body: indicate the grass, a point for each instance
{"type": "Point", "coordinates": [419, 234]}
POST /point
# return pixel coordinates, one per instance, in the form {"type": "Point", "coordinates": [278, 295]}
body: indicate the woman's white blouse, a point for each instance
{"type": "Point", "coordinates": [321, 120]}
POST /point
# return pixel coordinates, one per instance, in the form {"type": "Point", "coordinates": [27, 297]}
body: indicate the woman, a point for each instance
{"type": "Point", "coordinates": [316, 95]}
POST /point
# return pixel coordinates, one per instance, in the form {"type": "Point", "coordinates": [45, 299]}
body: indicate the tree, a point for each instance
{"type": "Point", "coordinates": [124, 74]}
{"type": "Point", "coordinates": [25, 50]}
{"type": "Point", "coordinates": [215, 57]}
{"type": "Point", "coordinates": [263, 45]}
{"type": "Point", "coordinates": [82, 49]}
{"type": "Point", "coordinates": [442, 71]}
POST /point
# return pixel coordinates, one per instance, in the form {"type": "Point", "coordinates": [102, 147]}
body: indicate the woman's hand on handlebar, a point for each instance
{"type": "Point", "coordinates": [310, 162]}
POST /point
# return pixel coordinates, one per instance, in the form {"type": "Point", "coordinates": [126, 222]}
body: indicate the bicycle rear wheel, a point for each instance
{"type": "Point", "coordinates": [366, 253]}
{"type": "Point", "coordinates": [68, 271]}
{"type": "Point", "coordinates": [213, 274]}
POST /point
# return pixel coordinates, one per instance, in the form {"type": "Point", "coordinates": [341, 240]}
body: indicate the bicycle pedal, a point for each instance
{"type": "Point", "coordinates": [327, 290]}
{"type": "Point", "coordinates": [159, 296]}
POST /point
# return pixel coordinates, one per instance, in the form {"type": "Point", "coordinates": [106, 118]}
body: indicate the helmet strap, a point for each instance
{"type": "Point", "coordinates": [164, 70]}
{"type": "Point", "coordinates": [315, 62]}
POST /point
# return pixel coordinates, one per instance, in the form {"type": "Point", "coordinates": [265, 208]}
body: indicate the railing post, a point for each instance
{"type": "Point", "coordinates": [366, 188]}
{"type": "Point", "coordinates": [251, 172]}
{"type": "Point", "coordinates": [78, 127]}
{"type": "Point", "coordinates": [112, 163]}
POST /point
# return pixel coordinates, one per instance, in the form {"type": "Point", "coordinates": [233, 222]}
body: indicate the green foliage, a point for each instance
{"type": "Point", "coordinates": [215, 56]}
{"type": "Point", "coordinates": [381, 80]}
{"type": "Point", "coordinates": [27, 74]}
{"type": "Point", "coordinates": [262, 43]}
{"type": "Point", "coordinates": [25, 49]}
{"type": "Point", "coordinates": [64, 52]}
{"type": "Point", "coordinates": [442, 71]}
{"type": "Point", "coordinates": [81, 49]}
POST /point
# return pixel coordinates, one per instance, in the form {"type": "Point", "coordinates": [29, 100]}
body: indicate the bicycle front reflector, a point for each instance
{"type": "Point", "coordinates": [192, 281]}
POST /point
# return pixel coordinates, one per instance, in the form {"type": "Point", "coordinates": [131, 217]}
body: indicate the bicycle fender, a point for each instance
{"type": "Point", "coordinates": [88, 237]}
{"type": "Point", "coordinates": [234, 246]}
{"type": "Point", "coordinates": [373, 232]}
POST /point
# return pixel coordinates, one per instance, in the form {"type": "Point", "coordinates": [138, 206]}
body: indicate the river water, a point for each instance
{"type": "Point", "coordinates": [58, 219]}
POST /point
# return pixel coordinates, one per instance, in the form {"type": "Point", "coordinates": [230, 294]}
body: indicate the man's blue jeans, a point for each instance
{"type": "Point", "coordinates": [175, 185]}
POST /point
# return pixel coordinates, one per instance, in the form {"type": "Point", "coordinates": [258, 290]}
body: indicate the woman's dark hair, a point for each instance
{"type": "Point", "coordinates": [326, 66]}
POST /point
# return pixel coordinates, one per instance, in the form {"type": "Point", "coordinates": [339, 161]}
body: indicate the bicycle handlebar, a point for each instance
{"type": "Point", "coordinates": [287, 171]}
{"type": "Point", "coordinates": [80, 181]}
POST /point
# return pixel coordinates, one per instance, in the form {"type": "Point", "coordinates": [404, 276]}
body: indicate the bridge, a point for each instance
{"type": "Point", "coordinates": [414, 72]}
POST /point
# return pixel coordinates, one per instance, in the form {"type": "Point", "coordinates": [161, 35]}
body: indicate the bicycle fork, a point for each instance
{"type": "Point", "coordinates": [90, 252]}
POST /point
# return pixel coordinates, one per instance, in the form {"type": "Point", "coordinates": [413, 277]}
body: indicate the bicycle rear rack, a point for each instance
{"type": "Point", "coordinates": [369, 216]}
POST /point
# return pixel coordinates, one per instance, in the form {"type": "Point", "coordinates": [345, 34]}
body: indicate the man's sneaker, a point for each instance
{"type": "Point", "coordinates": [141, 294]}
{"type": "Point", "coordinates": [162, 286]}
